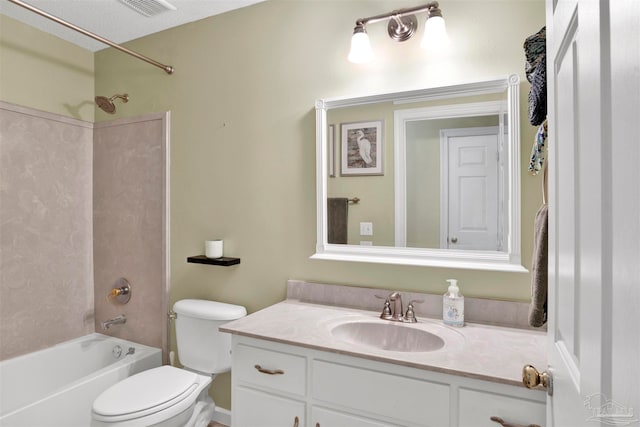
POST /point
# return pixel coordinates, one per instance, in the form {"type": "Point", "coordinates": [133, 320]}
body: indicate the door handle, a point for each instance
{"type": "Point", "coordinates": [531, 378]}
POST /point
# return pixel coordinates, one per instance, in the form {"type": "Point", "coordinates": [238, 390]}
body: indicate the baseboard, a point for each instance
{"type": "Point", "coordinates": [222, 416]}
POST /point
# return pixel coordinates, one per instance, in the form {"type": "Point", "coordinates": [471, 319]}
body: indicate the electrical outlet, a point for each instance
{"type": "Point", "coordinates": [366, 229]}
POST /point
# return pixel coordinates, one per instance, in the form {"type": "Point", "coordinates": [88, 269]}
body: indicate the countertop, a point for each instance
{"type": "Point", "coordinates": [485, 352]}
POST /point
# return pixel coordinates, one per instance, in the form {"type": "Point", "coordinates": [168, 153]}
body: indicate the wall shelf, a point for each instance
{"type": "Point", "coordinates": [224, 261]}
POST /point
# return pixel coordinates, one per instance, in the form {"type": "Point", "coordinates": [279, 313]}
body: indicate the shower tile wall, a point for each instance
{"type": "Point", "coordinates": [46, 277]}
{"type": "Point", "coordinates": [128, 203]}
{"type": "Point", "coordinates": [74, 199]}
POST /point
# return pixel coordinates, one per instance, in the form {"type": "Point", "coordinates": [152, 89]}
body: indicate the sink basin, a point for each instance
{"type": "Point", "coordinates": [387, 336]}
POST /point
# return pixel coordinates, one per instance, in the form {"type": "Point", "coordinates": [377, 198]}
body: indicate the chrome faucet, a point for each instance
{"type": "Point", "coordinates": [395, 311]}
{"type": "Point", "coordinates": [396, 314]}
{"type": "Point", "coordinates": [115, 321]}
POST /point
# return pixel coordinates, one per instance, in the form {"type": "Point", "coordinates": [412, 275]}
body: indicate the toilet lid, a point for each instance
{"type": "Point", "coordinates": [156, 388]}
{"type": "Point", "coordinates": [209, 310]}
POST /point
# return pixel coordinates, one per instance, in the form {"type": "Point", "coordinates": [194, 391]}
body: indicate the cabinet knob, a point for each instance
{"type": "Point", "coordinates": [269, 371]}
{"type": "Point", "coordinates": [454, 240]}
{"type": "Point", "coordinates": [532, 378]}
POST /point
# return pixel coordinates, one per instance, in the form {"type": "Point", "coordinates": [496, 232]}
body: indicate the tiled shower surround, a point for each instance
{"type": "Point", "coordinates": [46, 275]}
{"type": "Point", "coordinates": [69, 201]}
{"type": "Point", "coordinates": [128, 226]}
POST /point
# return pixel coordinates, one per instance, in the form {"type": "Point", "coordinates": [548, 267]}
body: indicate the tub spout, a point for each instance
{"type": "Point", "coordinates": [115, 321]}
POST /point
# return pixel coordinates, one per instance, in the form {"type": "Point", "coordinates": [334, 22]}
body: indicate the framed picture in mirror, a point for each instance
{"type": "Point", "coordinates": [361, 148]}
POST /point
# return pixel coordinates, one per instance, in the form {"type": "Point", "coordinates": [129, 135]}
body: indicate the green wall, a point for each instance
{"type": "Point", "coordinates": [243, 132]}
{"type": "Point", "coordinates": [44, 72]}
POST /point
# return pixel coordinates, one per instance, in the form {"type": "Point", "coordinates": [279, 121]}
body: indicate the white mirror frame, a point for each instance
{"type": "Point", "coordinates": [479, 260]}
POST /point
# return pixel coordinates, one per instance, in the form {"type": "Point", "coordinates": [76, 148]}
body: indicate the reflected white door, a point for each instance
{"type": "Point", "coordinates": [593, 54]}
{"type": "Point", "coordinates": [470, 189]}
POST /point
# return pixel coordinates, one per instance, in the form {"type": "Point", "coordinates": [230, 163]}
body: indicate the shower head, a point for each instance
{"type": "Point", "coordinates": [107, 105]}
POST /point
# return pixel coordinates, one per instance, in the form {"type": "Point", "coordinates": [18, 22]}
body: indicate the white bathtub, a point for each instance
{"type": "Point", "coordinates": [56, 387]}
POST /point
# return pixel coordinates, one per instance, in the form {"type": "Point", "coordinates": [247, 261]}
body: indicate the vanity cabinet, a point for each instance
{"type": "Point", "coordinates": [259, 408]}
{"type": "Point", "coordinates": [277, 385]}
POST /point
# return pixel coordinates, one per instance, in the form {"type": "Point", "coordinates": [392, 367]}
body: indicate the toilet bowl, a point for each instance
{"type": "Point", "coordinates": [168, 396]}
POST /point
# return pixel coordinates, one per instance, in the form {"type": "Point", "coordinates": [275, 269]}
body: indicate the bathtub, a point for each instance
{"type": "Point", "coordinates": [56, 387]}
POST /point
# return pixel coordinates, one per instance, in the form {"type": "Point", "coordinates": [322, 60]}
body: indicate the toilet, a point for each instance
{"type": "Point", "coordinates": [168, 396]}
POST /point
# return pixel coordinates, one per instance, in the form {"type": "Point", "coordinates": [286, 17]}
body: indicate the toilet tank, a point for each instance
{"type": "Point", "coordinates": [201, 347]}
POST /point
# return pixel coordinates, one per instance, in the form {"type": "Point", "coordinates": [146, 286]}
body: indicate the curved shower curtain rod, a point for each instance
{"type": "Point", "coordinates": [167, 68]}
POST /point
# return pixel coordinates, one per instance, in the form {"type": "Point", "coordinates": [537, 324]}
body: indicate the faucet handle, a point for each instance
{"type": "Point", "coordinates": [410, 317]}
{"type": "Point", "coordinates": [386, 310]}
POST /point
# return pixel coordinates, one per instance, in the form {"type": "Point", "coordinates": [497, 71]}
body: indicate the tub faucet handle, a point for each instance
{"type": "Point", "coordinates": [121, 291]}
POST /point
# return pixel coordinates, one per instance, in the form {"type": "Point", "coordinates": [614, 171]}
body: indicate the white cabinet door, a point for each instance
{"type": "Point", "coordinates": [324, 417]}
{"type": "Point", "coordinates": [477, 407]}
{"type": "Point", "coordinates": [253, 408]}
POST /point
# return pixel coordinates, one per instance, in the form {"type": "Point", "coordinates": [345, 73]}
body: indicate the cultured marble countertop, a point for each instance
{"type": "Point", "coordinates": [485, 352]}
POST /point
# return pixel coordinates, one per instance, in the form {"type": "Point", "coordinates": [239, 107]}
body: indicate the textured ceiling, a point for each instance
{"type": "Point", "coordinates": [112, 19]}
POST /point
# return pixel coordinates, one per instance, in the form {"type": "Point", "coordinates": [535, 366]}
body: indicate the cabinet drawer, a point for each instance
{"type": "Point", "coordinates": [253, 408]}
{"type": "Point", "coordinates": [292, 369]}
{"type": "Point", "coordinates": [330, 418]}
{"type": "Point", "coordinates": [476, 407]}
{"type": "Point", "coordinates": [377, 393]}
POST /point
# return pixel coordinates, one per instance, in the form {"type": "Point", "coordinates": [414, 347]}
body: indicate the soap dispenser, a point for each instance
{"type": "Point", "coordinates": [453, 305]}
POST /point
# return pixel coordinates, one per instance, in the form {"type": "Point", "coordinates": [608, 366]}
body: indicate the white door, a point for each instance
{"type": "Point", "coordinates": [593, 55]}
{"type": "Point", "coordinates": [470, 194]}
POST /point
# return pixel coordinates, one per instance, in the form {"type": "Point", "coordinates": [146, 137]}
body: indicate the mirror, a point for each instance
{"type": "Point", "coordinates": [425, 177]}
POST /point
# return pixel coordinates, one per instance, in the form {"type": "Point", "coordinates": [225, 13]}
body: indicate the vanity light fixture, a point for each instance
{"type": "Point", "coordinates": [401, 26]}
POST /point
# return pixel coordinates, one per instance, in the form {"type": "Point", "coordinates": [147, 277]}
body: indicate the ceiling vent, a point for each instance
{"type": "Point", "coordinates": [149, 7]}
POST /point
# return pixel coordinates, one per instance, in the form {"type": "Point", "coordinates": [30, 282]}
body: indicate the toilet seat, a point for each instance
{"type": "Point", "coordinates": [165, 389]}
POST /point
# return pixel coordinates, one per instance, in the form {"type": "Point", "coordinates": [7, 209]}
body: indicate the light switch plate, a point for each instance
{"type": "Point", "coordinates": [366, 229]}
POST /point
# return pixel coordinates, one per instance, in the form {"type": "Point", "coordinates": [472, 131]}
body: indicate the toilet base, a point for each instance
{"type": "Point", "coordinates": [202, 413]}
